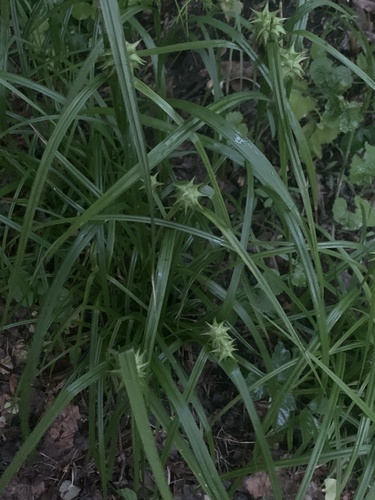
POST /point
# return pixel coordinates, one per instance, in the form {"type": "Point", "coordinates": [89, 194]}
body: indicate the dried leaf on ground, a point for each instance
{"type": "Point", "coordinates": [13, 381]}
{"type": "Point", "coordinates": [63, 430]}
{"type": "Point", "coordinates": [259, 485]}
{"type": "Point", "coordinates": [68, 491]}
{"type": "Point", "coordinates": [232, 71]}
{"type": "Point", "coordinates": [6, 364]}
{"type": "Point", "coordinates": [367, 5]}
{"type": "Point", "coordinates": [19, 352]}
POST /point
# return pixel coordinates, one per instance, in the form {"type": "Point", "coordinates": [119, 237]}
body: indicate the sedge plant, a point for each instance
{"type": "Point", "coordinates": [125, 265]}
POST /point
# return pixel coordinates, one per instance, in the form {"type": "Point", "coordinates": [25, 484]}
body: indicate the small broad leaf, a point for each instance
{"type": "Point", "coordinates": [362, 169]}
{"type": "Point", "coordinates": [259, 392]}
{"type": "Point", "coordinates": [309, 425]}
{"type": "Point", "coordinates": [317, 51]}
{"type": "Point", "coordinates": [286, 410]}
{"type": "Point", "coordinates": [319, 134]}
{"type": "Point", "coordinates": [23, 292]}
{"type": "Point", "coordinates": [344, 77]}
{"type": "Point", "coordinates": [322, 73]}
{"type": "Point", "coordinates": [330, 78]}
{"type": "Point", "coordinates": [267, 201]}
{"type": "Point", "coordinates": [301, 104]}
{"type": "Point", "coordinates": [280, 355]}
{"type": "Point", "coordinates": [299, 276]}
{"type": "Point", "coordinates": [342, 115]}
{"type": "Point", "coordinates": [261, 301]}
{"type": "Point", "coordinates": [364, 214]}
{"type": "Point", "coordinates": [82, 11]}
{"type": "Point", "coordinates": [330, 489]}
{"type": "Point", "coordinates": [127, 494]}
{"type": "Point", "coordinates": [366, 210]}
{"type": "Point", "coordinates": [341, 214]}
{"type": "Point", "coordinates": [319, 405]}
{"type": "Point", "coordinates": [354, 142]}
{"type": "Point", "coordinates": [234, 117]}
{"type": "Point", "coordinates": [273, 279]}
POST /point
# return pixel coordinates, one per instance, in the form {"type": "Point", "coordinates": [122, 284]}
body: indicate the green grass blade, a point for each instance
{"type": "Point", "coordinates": [4, 47]}
{"type": "Point", "coordinates": [157, 155]}
{"type": "Point", "coordinates": [43, 323]}
{"type": "Point", "coordinates": [262, 168]}
{"type": "Point", "coordinates": [111, 16]}
{"type": "Point", "coordinates": [207, 472]}
{"type": "Point", "coordinates": [262, 446]}
{"type": "Point", "coordinates": [305, 7]}
{"type": "Point", "coordinates": [129, 374]}
{"type": "Point", "coordinates": [367, 410]}
{"type": "Point", "coordinates": [323, 433]}
{"type": "Point", "coordinates": [58, 134]}
{"type": "Point", "coordinates": [159, 287]}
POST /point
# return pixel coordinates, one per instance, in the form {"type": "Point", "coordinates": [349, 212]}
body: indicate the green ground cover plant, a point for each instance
{"type": "Point", "coordinates": [127, 264]}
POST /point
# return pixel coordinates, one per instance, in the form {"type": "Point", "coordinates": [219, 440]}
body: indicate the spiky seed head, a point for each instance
{"type": "Point", "coordinates": [188, 195]}
{"type": "Point", "coordinates": [291, 61]}
{"type": "Point", "coordinates": [221, 342]}
{"type": "Point", "coordinates": [268, 25]}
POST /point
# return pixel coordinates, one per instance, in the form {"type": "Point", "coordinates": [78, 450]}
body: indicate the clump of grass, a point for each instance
{"type": "Point", "coordinates": [127, 264]}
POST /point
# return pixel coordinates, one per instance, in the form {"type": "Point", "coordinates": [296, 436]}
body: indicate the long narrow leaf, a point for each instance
{"type": "Point", "coordinates": [129, 374]}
